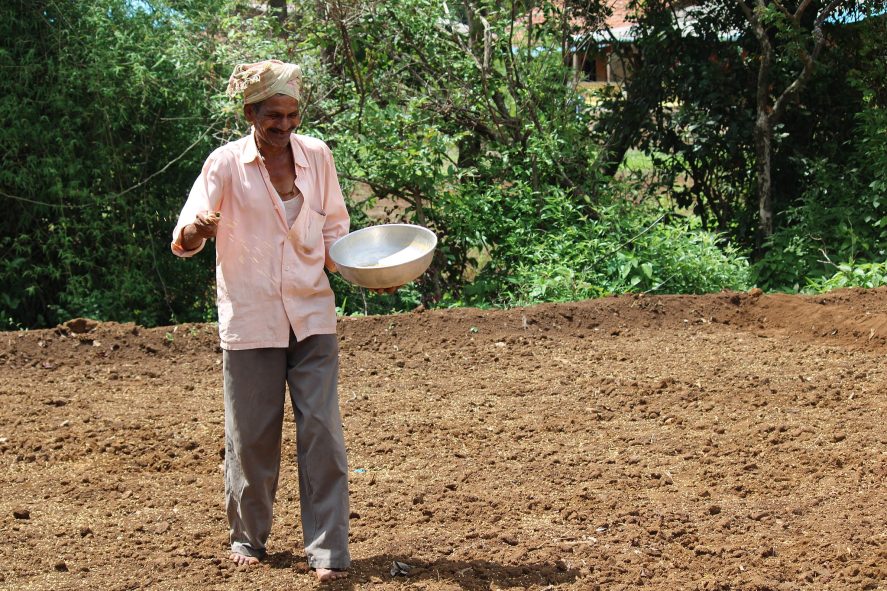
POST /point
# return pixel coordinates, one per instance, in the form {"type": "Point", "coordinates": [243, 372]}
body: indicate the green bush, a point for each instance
{"type": "Point", "coordinates": [104, 124]}
{"type": "Point", "coordinates": [841, 213]}
{"type": "Point", "coordinates": [868, 275]}
{"type": "Point", "coordinates": [567, 255]}
{"type": "Point", "coordinates": [841, 216]}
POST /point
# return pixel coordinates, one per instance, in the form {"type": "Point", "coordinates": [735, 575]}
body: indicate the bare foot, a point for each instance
{"type": "Point", "coordinates": [325, 575]}
{"type": "Point", "coordinates": [243, 560]}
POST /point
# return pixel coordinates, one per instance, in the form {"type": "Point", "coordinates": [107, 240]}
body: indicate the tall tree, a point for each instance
{"type": "Point", "coordinates": [714, 83]}
{"type": "Point", "coordinates": [801, 26]}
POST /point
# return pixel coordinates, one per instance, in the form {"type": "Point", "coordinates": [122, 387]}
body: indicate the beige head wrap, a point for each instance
{"type": "Point", "coordinates": [263, 80]}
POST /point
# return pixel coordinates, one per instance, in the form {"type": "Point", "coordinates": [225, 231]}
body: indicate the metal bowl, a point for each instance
{"type": "Point", "coordinates": [388, 255]}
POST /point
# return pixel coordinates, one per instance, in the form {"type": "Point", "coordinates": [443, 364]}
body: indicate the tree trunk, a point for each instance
{"type": "Point", "coordinates": [763, 134]}
{"type": "Point", "coordinates": [770, 110]}
{"type": "Point", "coordinates": [763, 154]}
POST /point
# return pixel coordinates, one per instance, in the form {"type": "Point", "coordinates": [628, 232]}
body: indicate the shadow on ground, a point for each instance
{"type": "Point", "coordinates": [469, 574]}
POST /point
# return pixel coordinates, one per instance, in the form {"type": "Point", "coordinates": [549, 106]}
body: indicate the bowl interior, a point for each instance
{"type": "Point", "coordinates": [387, 245]}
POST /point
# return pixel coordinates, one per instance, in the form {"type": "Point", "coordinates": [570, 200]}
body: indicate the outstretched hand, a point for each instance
{"type": "Point", "coordinates": [204, 227]}
{"type": "Point", "coordinates": [207, 224]}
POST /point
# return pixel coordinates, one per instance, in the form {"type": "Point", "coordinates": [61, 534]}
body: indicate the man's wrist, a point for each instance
{"type": "Point", "coordinates": [191, 238]}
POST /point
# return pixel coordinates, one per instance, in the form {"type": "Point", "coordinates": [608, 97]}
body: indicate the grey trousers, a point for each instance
{"type": "Point", "coordinates": [255, 387]}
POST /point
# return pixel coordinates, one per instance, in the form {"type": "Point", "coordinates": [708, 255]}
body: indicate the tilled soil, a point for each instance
{"type": "Point", "coordinates": [720, 442]}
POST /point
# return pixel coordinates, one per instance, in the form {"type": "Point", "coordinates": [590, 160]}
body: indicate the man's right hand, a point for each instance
{"type": "Point", "coordinates": [207, 224]}
{"type": "Point", "coordinates": [204, 227]}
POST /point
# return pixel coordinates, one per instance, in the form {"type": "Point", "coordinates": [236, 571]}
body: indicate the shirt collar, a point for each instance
{"type": "Point", "coordinates": [251, 150]}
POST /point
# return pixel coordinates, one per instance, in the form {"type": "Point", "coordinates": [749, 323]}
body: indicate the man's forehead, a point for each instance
{"type": "Point", "coordinates": [280, 103]}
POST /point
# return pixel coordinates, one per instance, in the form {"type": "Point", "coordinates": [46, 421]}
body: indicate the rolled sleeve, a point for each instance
{"type": "Point", "coordinates": [206, 195]}
{"type": "Point", "coordinates": [337, 220]}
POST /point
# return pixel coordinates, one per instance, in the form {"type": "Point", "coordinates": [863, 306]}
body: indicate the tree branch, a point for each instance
{"type": "Point", "coordinates": [826, 12]}
{"type": "Point", "coordinates": [35, 202]}
{"type": "Point", "coordinates": [168, 164]}
{"type": "Point", "coordinates": [747, 11]}
{"type": "Point", "coordinates": [784, 10]}
{"type": "Point", "coordinates": [809, 60]}
{"type": "Point", "coordinates": [802, 7]}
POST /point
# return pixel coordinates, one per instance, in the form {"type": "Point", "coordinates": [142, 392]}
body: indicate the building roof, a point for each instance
{"type": "Point", "coordinates": [619, 14]}
{"type": "Point", "coordinates": [618, 22]}
{"type": "Point", "coordinates": [619, 17]}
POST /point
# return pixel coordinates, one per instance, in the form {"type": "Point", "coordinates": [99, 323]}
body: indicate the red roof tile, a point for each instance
{"type": "Point", "coordinates": [618, 18]}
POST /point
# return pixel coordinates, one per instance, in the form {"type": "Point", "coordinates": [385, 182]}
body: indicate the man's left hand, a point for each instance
{"type": "Point", "coordinates": [388, 290]}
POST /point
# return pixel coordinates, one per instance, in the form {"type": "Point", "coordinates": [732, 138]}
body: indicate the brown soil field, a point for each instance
{"type": "Point", "coordinates": [733, 441]}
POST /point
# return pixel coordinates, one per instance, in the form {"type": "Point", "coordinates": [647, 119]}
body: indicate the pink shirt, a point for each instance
{"type": "Point", "coordinates": [269, 276]}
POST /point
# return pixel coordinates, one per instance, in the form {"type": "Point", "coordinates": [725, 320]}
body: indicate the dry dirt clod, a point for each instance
{"type": "Point", "coordinates": [160, 527]}
{"type": "Point", "coordinates": [81, 325]}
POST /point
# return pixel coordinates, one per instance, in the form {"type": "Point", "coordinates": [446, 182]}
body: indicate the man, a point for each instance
{"type": "Point", "coordinates": [272, 202]}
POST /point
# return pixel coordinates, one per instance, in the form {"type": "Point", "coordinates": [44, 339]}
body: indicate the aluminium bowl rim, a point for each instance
{"type": "Point", "coordinates": [416, 226]}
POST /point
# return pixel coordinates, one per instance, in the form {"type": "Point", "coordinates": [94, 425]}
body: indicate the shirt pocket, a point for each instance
{"type": "Point", "coordinates": [307, 232]}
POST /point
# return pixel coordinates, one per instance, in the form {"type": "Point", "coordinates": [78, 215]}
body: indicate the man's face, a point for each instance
{"type": "Point", "coordinates": [275, 119]}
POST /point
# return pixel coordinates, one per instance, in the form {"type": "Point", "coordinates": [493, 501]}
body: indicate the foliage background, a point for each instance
{"type": "Point", "coordinates": [466, 116]}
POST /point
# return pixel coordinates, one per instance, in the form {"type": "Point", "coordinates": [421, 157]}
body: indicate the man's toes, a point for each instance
{"type": "Point", "coordinates": [242, 560]}
{"type": "Point", "coordinates": [325, 574]}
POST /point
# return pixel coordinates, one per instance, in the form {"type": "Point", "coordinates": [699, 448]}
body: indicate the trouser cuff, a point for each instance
{"type": "Point", "coordinates": [340, 564]}
{"type": "Point", "coordinates": [247, 550]}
